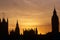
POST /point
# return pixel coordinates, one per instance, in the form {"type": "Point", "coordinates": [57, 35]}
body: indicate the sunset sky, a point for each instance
{"type": "Point", "coordinates": [29, 13]}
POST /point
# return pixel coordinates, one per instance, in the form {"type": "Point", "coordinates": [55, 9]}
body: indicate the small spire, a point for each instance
{"type": "Point", "coordinates": [3, 20]}
{"type": "Point", "coordinates": [17, 22]}
{"type": "Point", "coordinates": [17, 28]}
{"type": "Point", "coordinates": [54, 12]}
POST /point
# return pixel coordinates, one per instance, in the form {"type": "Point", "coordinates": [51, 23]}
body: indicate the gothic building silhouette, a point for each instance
{"type": "Point", "coordinates": [17, 30]}
{"type": "Point", "coordinates": [55, 22]}
{"type": "Point", "coordinates": [3, 28]}
{"type": "Point", "coordinates": [15, 35]}
{"type": "Point", "coordinates": [30, 34]}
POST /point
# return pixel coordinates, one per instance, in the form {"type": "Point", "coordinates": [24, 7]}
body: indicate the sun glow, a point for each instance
{"type": "Point", "coordinates": [28, 23]}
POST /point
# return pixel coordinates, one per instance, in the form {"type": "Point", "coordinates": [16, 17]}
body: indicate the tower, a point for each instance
{"type": "Point", "coordinates": [4, 29]}
{"type": "Point", "coordinates": [55, 22]}
{"type": "Point", "coordinates": [17, 29]}
{"type": "Point", "coordinates": [4, 26]}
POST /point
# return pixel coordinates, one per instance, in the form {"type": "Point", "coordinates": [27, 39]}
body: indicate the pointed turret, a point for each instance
{"type": "Point", "coordinates": [17, 29]}
{"type": "Point", "coordinates": [3, 20]}
{"type": "Point", "coordinates": [54, 12]}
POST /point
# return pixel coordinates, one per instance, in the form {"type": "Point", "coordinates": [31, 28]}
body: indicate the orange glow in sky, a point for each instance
{"type": "Point", "coordinates": [29, 23]}
{"type": "Point", "coordinates": [29, 13]}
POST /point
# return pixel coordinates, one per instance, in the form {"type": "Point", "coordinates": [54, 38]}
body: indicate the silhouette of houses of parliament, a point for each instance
{"type": "Point", "coordinates": [30, 34]}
